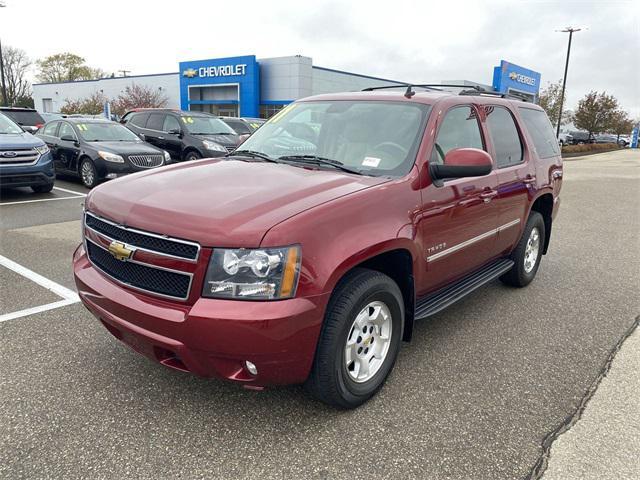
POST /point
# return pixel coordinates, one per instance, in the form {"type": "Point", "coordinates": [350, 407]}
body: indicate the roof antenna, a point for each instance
{"type": "Point", "coordinates": [409, 92]}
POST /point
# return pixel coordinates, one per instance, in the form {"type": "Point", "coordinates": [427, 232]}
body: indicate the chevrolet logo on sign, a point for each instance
{"type": "Point", "coordinates": [120, 251]}
{"type": "Point", "coordinates": [189, 73]}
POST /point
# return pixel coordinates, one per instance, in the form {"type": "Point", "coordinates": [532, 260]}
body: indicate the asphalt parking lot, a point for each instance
{"type": "Point", "coordinates": [472, 396]}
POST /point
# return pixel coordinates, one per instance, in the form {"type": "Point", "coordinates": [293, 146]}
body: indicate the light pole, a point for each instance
{"type": "Point", "coordinates": [570, 30]}
{"type": "Point", "coordinates": [3, 84]}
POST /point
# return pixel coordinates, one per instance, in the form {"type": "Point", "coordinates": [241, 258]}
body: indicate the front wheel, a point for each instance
{"type": "Point", "coordinates": [527, 254]}
{"type": "Point", "coordinates": [88, 173]}
{"type": "Point", "coordinates": [359, 341]}
{"type": "Point", "coordinates": [192, 155]}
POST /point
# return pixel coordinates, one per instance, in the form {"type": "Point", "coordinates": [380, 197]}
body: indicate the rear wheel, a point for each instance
{"type": "Point", "coordinates": [360, 339]}
{"type": "Point", "coordinates": [88, 173]}
{"type": "Point", "coordinates": [527, 254]}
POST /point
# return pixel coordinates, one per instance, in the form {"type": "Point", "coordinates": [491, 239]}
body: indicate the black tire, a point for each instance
{"type": "Point", "coordinates": [518, 276]}
{"type": "Point", "coordinates": [46, 188]}
{"type": "Point", "coordinates": [192, 155]}
{"type": "Point", "coordinates": [329, 380]}
{"type": "Point", "coordinates": [92, 180]}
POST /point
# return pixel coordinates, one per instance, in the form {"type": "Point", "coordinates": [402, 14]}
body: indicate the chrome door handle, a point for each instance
{"type": "Point", "coordinates": [488, 195]}
{"type": "Point", "coordinates": [160, 138]}
{"type": "Point", "coordinates": [529, 179]}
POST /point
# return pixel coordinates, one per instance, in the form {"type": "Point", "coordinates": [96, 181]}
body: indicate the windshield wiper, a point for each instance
{"type": "Point", "coordinates": [252, 154]}
{"type": "Point", "coordinates": [314, 159]}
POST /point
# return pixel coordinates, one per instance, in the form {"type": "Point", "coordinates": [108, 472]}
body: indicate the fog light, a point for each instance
{"type": "Point", "coordinates": [251, 368]}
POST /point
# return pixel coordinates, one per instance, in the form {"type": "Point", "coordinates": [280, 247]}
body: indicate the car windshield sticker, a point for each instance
{"type": "Point", "coordinates": [370, 162]}
{"type": "Point", "coordinates": [82, 126]}
{"type": "Point", "coordinates": [276, 118]}
{"type": "Point", "coordinates": [187, 120]}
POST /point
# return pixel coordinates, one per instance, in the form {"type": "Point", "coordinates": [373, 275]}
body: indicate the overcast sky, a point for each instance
{"type": "Point", "coordinates": [419, 41]}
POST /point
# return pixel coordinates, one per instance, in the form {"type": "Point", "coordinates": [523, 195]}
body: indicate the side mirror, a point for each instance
{"type": "Point", "coordinates": [462, 162]}
{"type": "Point", "coordinates": [67, 138]}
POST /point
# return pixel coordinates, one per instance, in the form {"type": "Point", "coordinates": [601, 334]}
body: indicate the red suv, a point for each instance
{"type": "Point", "coordinates": [307, 255]}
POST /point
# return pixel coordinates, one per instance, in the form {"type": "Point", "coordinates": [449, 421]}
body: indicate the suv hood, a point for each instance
{"type": "Point", "coordinates": [19, 140]}
{"type": "Point", "coordinates": [221, 203]}
{"type": "Point", "coordinates": [126, 148]}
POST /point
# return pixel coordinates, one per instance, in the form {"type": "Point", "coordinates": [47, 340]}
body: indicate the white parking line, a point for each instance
{"type": "Point", "coordinates": [40, 200]}
{"type": "Point", "coordinates": [32, 310]}
{"type": "Point", "coordinates": [70, 191]}
{"type": "Point", "coordinates": [56, 288]}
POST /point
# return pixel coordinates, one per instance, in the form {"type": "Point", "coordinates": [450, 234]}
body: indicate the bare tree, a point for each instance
{"type": "Point", "coordinates": [138, 96]}
{"type": "Point", "coordinates": [92, 105]}
{"type": "Point", "coordinates": [16, 66]}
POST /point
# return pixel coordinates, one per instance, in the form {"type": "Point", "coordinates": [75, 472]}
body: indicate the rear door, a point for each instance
{"type": "Point", "coordinates": [459, 218]}
{"type": "Point", "coordinates": [172, 141]}
{"type": "Point", "coordinates": [153, 132]}
{"type": "Point", "coordinates": [515, 172]}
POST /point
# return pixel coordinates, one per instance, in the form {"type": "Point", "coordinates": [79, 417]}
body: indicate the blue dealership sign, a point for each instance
{"type": "Point", "coordinates": [241, 71]}
{"type": "Point", "coordinates": [511, 77]}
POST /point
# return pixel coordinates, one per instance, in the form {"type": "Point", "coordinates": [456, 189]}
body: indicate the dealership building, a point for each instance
{"type": "Point", "coordinates": [251, 87]}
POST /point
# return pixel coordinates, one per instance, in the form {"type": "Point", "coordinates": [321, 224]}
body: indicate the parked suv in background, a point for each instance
{"type": "Point", "coordinates": [25, 161]}
{"type": "Point", "coordinates": [28, 118]}
{"type": "Point", "coordinates": [306, 255]}
{"type": "Point", "coordinates": [243, 126]}
{"type": "Point", "coordinates": [565, 139]}
{"type": "Point", "coordinates": [185, 135]}
{"type": "Point", "coordinates": [95, 150]}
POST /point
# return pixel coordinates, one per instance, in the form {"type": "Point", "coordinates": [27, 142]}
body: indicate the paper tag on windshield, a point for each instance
{"type": "Point", "coordinates": [370, 162]}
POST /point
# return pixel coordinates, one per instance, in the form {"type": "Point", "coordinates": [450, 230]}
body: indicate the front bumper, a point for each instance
{"type": "Point", "coordinates": [211, 338]}
{"type": "Point", "coordinates": [41, 173]}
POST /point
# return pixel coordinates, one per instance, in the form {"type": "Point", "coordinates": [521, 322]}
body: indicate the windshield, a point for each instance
{"type": "Point", "coordinates": [7, 126]}
{"type": "Point", "coordinates": [374, 138]}
{"type": "Point", "coordinates": [198, 125]}
{"type": "Point", "coordinates": [106, 132]}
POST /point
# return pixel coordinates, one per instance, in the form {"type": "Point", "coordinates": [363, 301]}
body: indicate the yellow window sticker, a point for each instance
{"type": "Point", "coordinates": [187, 119]}
{"type": "Point", "coordinates": [278, 116]}
{"type": "Point", "coordinates": [82, 126]}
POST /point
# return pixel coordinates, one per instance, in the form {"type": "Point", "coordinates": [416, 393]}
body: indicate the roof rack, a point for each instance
{"type": "Point", "coordinates": [468, 89]}
{"type": "Point", "coordinates": [493, 93]}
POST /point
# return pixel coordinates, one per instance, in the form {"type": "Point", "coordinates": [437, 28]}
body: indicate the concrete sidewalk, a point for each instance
{"type": "Point", "coordinates": [605, 442]}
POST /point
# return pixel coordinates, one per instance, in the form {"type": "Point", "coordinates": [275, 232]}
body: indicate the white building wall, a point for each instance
{"type": "Point", "coordinates": [168, 84]}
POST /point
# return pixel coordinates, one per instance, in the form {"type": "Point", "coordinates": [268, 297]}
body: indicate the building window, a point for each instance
{"type": "Point", "coordinates": [267, 111]}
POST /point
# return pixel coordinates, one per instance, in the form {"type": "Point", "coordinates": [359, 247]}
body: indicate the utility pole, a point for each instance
{"type": "Point", "coordinates": [124, 72]}
{"type": "Point", "coordinates": [569, 30]}
{"type": "Point", "coordinates": [5, 100]}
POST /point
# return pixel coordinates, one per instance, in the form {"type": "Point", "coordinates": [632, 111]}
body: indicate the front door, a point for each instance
{"type": "Point", "coordinates": [459, 218]}
{"type": "Point", "coordinates": [67, 149]}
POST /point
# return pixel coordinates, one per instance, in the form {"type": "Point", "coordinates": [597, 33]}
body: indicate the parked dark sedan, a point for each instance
{"type": "Point", "coordinates": [243, 126]}
{"type": "Point", "coordinates": [95, 150]}
{"type": "Point", "coordinates": [185, 135]}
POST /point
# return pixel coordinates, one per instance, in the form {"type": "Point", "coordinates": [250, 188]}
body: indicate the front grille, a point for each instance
{"type": "Point", "coordinates": [161, 282]}
{"type": "Point", "coordinates": [146, 161]}
{"type": "Point", "coordinates": [142, 240]}
{"type": "Point", "coordinates": [18, 156]}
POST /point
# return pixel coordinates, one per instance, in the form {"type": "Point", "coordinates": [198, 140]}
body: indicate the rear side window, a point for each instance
{"type": "Point", "coordinates": [505, 136]}
{"type": "Point", "coordinates": [25, 117]}
{"type": "Point", "coordinates": [541, 132]}
{"type": "Point", "coordinates": [50, 129]}
{"type": "Point", "coordinates": [156, 121]}
{"type": "Point", "coordinates": [139, 120]}
{"type": "Point", "coordinates": [459, 129]}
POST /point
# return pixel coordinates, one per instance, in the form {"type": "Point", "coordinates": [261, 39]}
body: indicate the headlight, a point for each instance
{"type": "Point", "coordinates": [260, 274]}
{"type": "Point", "coordinates": [41, 149]}
{"type": "Point", "coordinates": [111, 157]}
{"type": "Point", "coordinates": [167, 157]}
{"type": "Point", "coordinates": [213, 146]}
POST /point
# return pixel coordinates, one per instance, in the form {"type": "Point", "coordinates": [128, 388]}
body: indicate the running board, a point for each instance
{"type": "Point", "coordinates": [441, 299]}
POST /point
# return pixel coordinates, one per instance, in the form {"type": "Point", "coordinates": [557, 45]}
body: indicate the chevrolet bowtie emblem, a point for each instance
{"type": "Point", "coordinates": [189, 73]}
{"type": "Point", "coordinates": [120, 251]}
